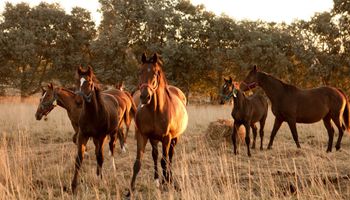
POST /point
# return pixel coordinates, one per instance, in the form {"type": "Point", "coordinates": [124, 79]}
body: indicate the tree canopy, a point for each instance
{"type": "Point", "coordinates": [44, 43]}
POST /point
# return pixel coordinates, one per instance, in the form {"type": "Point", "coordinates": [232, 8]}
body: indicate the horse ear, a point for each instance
{"type": "Point", "coordinates": [50, 86]}
{"type": "Point", "coordinates": [255, 68]}
{"type": "Point", "coordinates": [225, 79]}
{"type": "Point", "coordinates": [230, 79]}
{"type": "Point", "coordinates": [43, 89]}
{"type": "Point", "coordinates": [89, 71]}
{"type": "Point", "coordinates": [79, 70]}
{"type": "Point", "coordinates": [155, 58]}
{"type": "Point", "coordinates": [144, 58]}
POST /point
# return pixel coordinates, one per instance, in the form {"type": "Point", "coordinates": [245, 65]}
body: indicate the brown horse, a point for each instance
{"type": "Point", "coordinates": [72, 102]}
{"type": "Point", "coordinates": [161, 116]}
{"type": "Point", "coordinates": [246, 111]}
{"type": "Point", "coordinates": [98, 118]}
{"type": "Point", "coordinates": [294, 105]}
{"type": "Point", "coordinates": [127, 101]}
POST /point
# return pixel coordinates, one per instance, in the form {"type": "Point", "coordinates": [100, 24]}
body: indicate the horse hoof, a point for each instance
{"type": "Point", "coordinates": [128, 195]}
{"type": "Point", "coordinates": [124, 149]}
{"type": "Point", "coordinates": [337, 148]}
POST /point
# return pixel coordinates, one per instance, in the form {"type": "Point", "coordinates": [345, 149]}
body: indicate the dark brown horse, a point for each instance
{"type": "Point", "coordinates": [294, 105]}
{"type": "Point", "coordinates": [72, 102]}
{"type": "Point", "coordinates": [161, 116]}
{"type": "Point", "coordinates": [246, 111]}
{"type": "Point", "coordinates": [98, 118]}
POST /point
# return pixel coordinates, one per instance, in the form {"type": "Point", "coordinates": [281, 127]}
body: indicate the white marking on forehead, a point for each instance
{"type": "Point", "coordinates": [43, 95]}
{"type": "Point", "coordinates": [149, 69]}
{"type": "Point", "coordinates": [82, 80]}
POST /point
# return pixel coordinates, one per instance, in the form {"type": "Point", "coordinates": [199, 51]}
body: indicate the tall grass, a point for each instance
{"type": "Point", "coordinates": [37, 162]}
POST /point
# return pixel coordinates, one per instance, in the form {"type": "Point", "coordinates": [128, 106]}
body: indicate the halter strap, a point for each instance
{"type": "Point", "coordinates": [143, 85]}
{"type": "Point", "coordinates": [87, 97]}
{"type": "Point", "coordinates": [250, 85]}
{"type": "Point", "coordinates": [51, 102]}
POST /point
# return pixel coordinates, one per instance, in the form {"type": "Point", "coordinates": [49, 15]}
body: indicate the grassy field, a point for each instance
{"type": "Point", "coordinates": [37, 160]}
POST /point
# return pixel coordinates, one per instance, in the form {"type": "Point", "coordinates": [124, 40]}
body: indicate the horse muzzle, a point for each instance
{"type": "Point", "coordinates": [38, 116]}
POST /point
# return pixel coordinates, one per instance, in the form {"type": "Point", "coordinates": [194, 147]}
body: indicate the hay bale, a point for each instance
{"type": "Point", "coordinates": [221, 130]}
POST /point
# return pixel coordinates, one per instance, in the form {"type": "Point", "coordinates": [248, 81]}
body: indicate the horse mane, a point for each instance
{"type": "Point", "coordinates": [287, 86]}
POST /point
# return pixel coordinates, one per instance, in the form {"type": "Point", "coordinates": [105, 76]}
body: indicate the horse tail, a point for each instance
{"type": "Point", "coordinates": [346, 113]}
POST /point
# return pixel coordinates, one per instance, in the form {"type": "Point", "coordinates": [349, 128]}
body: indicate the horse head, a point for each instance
{"type": "Point", "coordinates": [48, 101]}
{"type": "Point", "coordinates": [229, 89]}
{"type": "Point", "coordinates": [150, 78]}
{"type": "Point", "coordinates": [251, 80]}
{"type": "Point", "coordinates": [86, 81]}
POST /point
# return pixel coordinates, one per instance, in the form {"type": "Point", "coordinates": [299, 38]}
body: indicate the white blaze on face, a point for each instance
{"type": "Point", "coordinates": [82, 80]}
{"type": "Point", "coordinates": [43, 96]}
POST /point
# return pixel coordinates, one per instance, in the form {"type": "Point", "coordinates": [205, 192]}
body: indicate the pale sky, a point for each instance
{"type": "Point", "coordinates": [266, 10]}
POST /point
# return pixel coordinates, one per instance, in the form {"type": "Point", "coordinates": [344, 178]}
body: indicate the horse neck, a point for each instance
{"type": "Point", "coordinates": [271, 85]}
{"type": "Point", "coordinates": [95, 105]}
{"type": "Point", "coordinates": [65, 99]}
{"type": "Point", "coordinates": [238, 101]}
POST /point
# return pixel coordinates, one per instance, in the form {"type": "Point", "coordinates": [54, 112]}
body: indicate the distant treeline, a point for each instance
{"type": "Point", "coordinates": [43, 43]}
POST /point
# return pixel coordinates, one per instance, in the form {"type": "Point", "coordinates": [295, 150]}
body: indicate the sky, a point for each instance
{"type": "Point", "coordinates": [266, 10]}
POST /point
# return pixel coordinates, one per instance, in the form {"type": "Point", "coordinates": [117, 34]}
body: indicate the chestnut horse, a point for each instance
{"type": "Point", "coordinates": [98, 118]}
{"type": "Point", "coordinates": [161, 116]}
{"type": "Point", "coordinates": [294, 105]}
{"type": "Point", "coordinates": [72, 102]}
{"type": "Point", "coordinates": [246, 111]}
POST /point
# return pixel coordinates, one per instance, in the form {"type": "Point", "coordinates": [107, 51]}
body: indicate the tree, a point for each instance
{"type": "Point", "coordinates": [43, 43]}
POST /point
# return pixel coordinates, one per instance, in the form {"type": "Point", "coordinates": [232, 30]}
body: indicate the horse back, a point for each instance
{"type": "Point", "coordinates": [312, 105]}
{"type": "Point", "coordinates": [259, 107]}
{"type": "Point", "coordinates": [176, 91]}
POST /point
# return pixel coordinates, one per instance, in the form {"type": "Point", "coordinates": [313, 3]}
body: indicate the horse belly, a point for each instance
{"type": "Point", "coordinates": [311, 115]}
{"type": "Point", "coordinates": [179, 122]}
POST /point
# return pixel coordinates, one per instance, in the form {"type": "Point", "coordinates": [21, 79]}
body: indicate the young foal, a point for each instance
{"type": "Point", "coordinates": [161, 116]}
{"type": "Point", "coordinates": [246, 111]}
{"type": "Point", "coordinates": [295, 105]}
{"type": "Point", "coordinates": [98, 118]}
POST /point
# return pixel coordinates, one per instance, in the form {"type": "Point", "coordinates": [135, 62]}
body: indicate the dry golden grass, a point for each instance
{"type": "Point", "coordinates": [37, 160]}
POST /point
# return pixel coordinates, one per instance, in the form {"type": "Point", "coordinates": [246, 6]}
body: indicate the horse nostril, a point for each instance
{"type": "Point", "coordinates": [37, 116]}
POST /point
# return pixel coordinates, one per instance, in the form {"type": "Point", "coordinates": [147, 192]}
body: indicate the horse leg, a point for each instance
{"type": "Point", "coordinates": [341, 133]}
{"type": "Point", "coordinates": [171, 154]}
{"type": "Point", "coordinates": [127, 126]}
{"type": "Point", "coordinates": [154, 144]}
{"type": "Point", "coordinates": [276, 127]}
{"type": "Point", "coordinates": [82, 140]}
{"type": "Point", "coordinates": [121, 135]}
{"type": "Point", "coordinates": [164, 162]}
{"type": "Point", "coordinates": [261, 132]}
{"type": "Point", "coordinates": [293, 129]}
{"type": "Point", "coordinates": [255, 133]}
{"type": "Point", "coordinates": [330, 131]}
{"type": "Point", "coordinates": [234, 136]}
{"type": "Point", "coordinates": [247, 137]}
{"type": "Point", "coordinates": [141, 144]}
{"type": "Point", "coordinates": [99, 154]}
